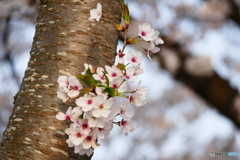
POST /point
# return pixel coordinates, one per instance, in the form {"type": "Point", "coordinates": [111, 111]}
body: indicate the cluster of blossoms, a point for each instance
{"type": "Point", "coordinates": [147, 33]}
{"type": "Point", "coordinates": [108, 100]}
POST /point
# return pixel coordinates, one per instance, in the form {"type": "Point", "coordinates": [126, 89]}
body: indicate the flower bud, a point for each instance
{"type": "Point", "coordinates": [131, 41]}
{"type": "Point", "coordinates": [120, 27]}
{"type": "Point", "coordinates": [126, 15]}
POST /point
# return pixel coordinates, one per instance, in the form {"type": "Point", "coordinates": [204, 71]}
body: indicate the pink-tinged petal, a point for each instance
{"type": "Point", "coordinates": [60, 116]}
{"type": "Point", "coordinates": [77, 148]}
{"type": "Point", "coordinates": [148, 56]}
{"type": "Point", "coordinates": [80, 102]}
{"type": "Point", "coordinates": [99, 7]}
{"type": "Point", "coordinates": [105, 113]}
{"type": "Point", "coordinates": [69, 142]}
{"type": "Point", "coordinates": [100, 123]}
{"type": "Point", "coordinates": [73, 81]}
{"type": "Point", "coordinates": [92, 122]}
{"type": "Point", "coordinates": [96, 113]}
{"type": "Point", "coordinates": [77, 111]}
{"type": "Point", "coordinates": [73, 93]}
{"type": "Point", "coordinates": [77, 141]}
{"type": "Point", "coordinates": [87, 144]}
{"type": "Point", "coordinates": [63, 96]}
{"type": "Point", "coordinates": [62, 81]}
{"type": "Point", "coordinates": [158, 41]}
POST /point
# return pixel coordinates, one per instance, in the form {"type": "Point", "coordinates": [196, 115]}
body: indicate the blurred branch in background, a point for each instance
{"type": "Point", "coordinates": [17, 25]}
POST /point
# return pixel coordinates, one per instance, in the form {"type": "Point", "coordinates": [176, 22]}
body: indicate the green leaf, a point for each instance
{"type": "Point", "coordinates": [81, 116]}
{"type": "Point", "coordinates": [107, 80]}
{"type": "Point", "coordinates": [110, 91]}
{"type": "Point", "coordinates": [100, 85]}
{"type": "Point", "coordinates": [126, 15]}
{"type": "Point", "coordinates": [88, 78]}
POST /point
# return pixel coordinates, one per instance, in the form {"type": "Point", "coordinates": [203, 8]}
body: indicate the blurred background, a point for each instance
{"type": "Point", "coordinates": [194, 81]}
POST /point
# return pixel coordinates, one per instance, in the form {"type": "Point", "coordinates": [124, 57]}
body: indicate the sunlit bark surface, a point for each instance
{"type": "Point", "coordinates": [64, 40]}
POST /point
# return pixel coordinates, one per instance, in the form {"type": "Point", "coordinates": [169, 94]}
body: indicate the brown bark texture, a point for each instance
{"type": "Point", "coordinates": [64, 40]}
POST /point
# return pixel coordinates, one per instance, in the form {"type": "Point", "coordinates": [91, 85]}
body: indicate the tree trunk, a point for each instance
{"type": "Point", "coordinates": [64, 40]}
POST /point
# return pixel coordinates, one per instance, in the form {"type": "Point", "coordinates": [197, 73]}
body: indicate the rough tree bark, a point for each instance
{"type": "Point", "coordinates": [64, 40]}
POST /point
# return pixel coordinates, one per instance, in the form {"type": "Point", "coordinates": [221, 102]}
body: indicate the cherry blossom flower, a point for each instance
{"type": "Point", "coordinates": [61, 116]}
{"type": "Point", "coordinates": [156, 40]}
{"type": "Point", "coordinates": [130, 74]}
{"type": "Point", "coordinates": [86, 66]}
{"type": "Point", "coordinates": [146, 32]}
{"type": "Point", "coordinates": [63, 83]}
{"type": "Point", "coordinates": [77, 136]}
{"type": "Point", "coordinates": [137, 99]}
{"type": "Point", "coordinates": [89, 141]}
{"type": "Point", "coordinates": [86, 102]}
{"type": "Point", "coordinates": [113, 72]}
{"type": "Point", "coordinates": [75, 87]}
{"type": "Point", "coordinates": [127, 126]}
{"type": "Point", "coordinates": [135, 58]}
{"type": "Point", "coordinates": [69, 142]}
{"type": "Point", "coordinates": [62, 95]}
{"type": "Point", "coordinates": [77, 111]}
{"type": "Point", "coordinates": [100, 90]}
{"type": "Point", "coordinates": [94, 121]}
{"type": "Point", "coordinates": [86, 151]}
{"type": "Point", "coordinates": [83, 124]}
{"type": "Point", "coordinates": [152, 49]}
{"type": "Point", "coordinates": [138, 70]}
{"type": "Point", "coordinates": [105, 131]}
{"type": "Point", "coordinates": [79, 149]}
{"type": "Point", "coordinates": [119, 84]}
{"type": "Point", "coordinates": [100, 75]}
{"type": "Point", "coordinates": [126, 112]}
{"type": "Point", "coordinates": [142, 91]}
{"type": "Point", "coordinates": [121, 58]}
{"type": "Point", "coordinates": [102, 106]}
{"type": "Point", "coordinates": [96, 13]}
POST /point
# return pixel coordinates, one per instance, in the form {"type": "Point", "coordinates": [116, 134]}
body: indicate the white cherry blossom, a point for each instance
{"type": "Point", "coordinates": [126, 112]}
{"type": "Point", "coordinates": [77, 136]}
{"type": "Point", "coordinates": [121, 58]}
{"type": "Point", "coordinates": [96, 13]}
{"type": "Point", "coordinates": [62, 95]}
{"type": "Point", "coordinates": [61, 116]}
{"type": "Point", "coordinates": [119, 84]}
{"type": "Point", "coordinates": [127, 126]}
{"type": "Point", "coordinates": [152, 49]}
{"type": "Point", "coordinates": [105, 131]}
{"type": "Point", "coordinates": [100, 90]}
{"type": "Point", "coordinates": [130, 74]}
{"type": "Point", "coordinates": [102, 106]}
{"type": "Point", "coordinates": [134, 58]}
{"type": "Point", "coordinates": [156, 40]}
{"type": "Point", "coordinates": [146, 32]}
{"type": "Point", "coordinates": [113, 72]}
{"type": "Point", "coordinates": [86, 66]}
{"type": "Point", "coordinates": [83, 124]}
{"type": "Point", "coordinates": [94, 121]}
{"type": "Point", "coordinates": [86, 102]}
{"type": "Point", "coordinates": [100, 75]}
{"type": "Point", "coordinates": [89, 141]}
{"type": "Point", "coordinates": [138, 70]}
{"type": "Point", "coordinates": [63, 83]}
{"type": "Point", "coordinates": [137, 99]}
{"type": "Point", "coordinates": [75, 87]}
